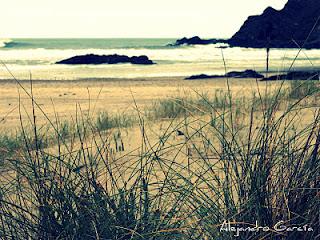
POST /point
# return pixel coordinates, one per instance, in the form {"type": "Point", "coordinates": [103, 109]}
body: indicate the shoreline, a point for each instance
{"type": "Point", "coordinates": [102, 80]}
{"type": "Point", "coordinates": [150, 78]}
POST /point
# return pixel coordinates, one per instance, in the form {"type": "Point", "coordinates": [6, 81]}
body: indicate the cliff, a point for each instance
{"type": "Point", "coordinates": [297, 24]}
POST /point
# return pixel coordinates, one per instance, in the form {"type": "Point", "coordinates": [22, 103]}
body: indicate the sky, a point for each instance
{"type": "Point", "coordinates": [127, 18]}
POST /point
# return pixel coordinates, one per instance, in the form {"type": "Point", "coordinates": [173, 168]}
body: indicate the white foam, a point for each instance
{"type": "Point", "coordinates": [187, 60]}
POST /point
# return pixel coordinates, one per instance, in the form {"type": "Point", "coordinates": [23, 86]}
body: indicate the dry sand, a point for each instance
{"type": "Point", "coordinates": [111, 95]}
{"type": "Point", "coordinates": [118, 95]}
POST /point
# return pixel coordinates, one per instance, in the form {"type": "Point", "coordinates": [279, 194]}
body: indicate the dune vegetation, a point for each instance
{"type": "Point", "coordinates": [219, 159]}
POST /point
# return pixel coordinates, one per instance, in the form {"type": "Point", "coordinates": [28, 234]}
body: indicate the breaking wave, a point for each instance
{"type": "Point", "coordinates": [5, 43]}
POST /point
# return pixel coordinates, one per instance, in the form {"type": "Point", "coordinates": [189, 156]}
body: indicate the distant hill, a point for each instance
{"type": "Point", "coordinates": [281, 29]}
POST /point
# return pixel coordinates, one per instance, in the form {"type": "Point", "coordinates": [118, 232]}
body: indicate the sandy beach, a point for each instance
{"type": "Point", "coordinates": [109, 95]}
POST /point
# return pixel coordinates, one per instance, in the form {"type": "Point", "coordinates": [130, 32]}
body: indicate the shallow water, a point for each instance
{"type": "Point", "coordinates": [38, 56]}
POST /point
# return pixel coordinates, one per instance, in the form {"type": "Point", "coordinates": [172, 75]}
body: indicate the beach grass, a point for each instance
{"type": "Point", "coordinates": [246, 160]}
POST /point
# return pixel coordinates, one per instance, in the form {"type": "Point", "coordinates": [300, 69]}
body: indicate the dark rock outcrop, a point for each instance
{"type": "Point", "coordinates": [196, 41]}
{"type": "Point", "coordinates": [203, 76]}
{"type": "Point", "coordinates": [298, 75]}
{"type": "Point", "coordinates": [244, 74]}
{"type": "Point", "coordinates": [106, 59]}
{"type": "Point", "coordinates": [296, 25]}
{"type": "Point", "coordinates": [234, 74]}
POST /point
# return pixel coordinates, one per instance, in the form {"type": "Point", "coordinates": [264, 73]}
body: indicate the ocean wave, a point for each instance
{"type": "Point", "coordinates": [152, 47]}
{"type": "Point", "coordinates": [5, 42]}
{"type": "Point", "coordinates": [202, 55]}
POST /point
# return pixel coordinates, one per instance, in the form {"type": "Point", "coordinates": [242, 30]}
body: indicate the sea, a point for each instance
{"type": "Point", "coordinates": [37, 57]}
